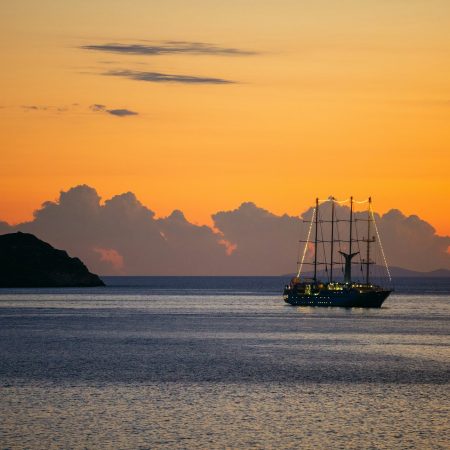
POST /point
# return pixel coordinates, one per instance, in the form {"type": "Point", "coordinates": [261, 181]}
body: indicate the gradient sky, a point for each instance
{"type": "Point", "coordinates": [328, 97]}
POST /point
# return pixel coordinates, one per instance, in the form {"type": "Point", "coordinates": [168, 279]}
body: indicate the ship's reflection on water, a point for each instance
{"type": "Point", "coordinates": [336, 310]}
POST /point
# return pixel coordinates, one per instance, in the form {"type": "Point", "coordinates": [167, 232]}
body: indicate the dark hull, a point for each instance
{"type": "Point", "coordinates": [343, 299]}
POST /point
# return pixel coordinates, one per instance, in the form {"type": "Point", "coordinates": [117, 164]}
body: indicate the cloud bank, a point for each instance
{"type": "Point", "coordinates": [122, 236]}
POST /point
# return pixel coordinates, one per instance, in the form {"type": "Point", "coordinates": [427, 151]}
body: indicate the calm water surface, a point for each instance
{"type": "Point", "coordinates": [195, 363]}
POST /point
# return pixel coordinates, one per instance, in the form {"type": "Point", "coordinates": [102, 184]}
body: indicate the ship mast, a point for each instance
{"type": "Point", "coordinates": [315, 241]}
{"type": "Point", "coordinates": [332, 239]}
{"type": "Point", "coordinates": [351, 223]}
{"type": "Point", "coordinates": [368, 241]}
{"type": "Point", "coordinates": [349, 256]}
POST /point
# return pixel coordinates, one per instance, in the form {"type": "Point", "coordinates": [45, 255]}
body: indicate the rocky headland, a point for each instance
{"type": "Point", "coordinates": [26, 261]}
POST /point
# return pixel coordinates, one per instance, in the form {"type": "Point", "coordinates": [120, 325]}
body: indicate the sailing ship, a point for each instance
{"type": "Point", "coordinates": [341, 291]}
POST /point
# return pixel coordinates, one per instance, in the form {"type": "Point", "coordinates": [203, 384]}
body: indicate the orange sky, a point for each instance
{"type": "Point", "coordinates": [340, 97]}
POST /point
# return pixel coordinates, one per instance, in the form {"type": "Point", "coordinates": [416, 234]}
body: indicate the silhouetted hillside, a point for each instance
{"type": "Point", "coordinates": [26, 261]}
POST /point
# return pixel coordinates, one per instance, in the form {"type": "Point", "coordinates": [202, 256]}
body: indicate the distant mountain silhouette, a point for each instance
{"type": "Point", "coordinates": [26, 261]}
{"type": "Point", "coordinates": [400, 272]}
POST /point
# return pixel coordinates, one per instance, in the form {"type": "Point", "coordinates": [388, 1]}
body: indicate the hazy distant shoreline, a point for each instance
{"type": "Point", "coordinates": [249, 285]}
{"type": "Point", "coordinates": [396, 272]}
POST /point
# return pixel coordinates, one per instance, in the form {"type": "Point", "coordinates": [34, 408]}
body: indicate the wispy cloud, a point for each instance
{"type": "Point", "coordinates": [167, 47]}
{"type": "Point", "coordinates": [58, 109]}
{"type": "Point", "coordinates": [34, 108]}
{"type": "Point", "coordinates": [122, 112]}
{"type": "Point", "coordinates": [157, 77]}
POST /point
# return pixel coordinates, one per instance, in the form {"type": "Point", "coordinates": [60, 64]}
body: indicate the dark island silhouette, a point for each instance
{"type": "Point", "coordinates": [26, 261]}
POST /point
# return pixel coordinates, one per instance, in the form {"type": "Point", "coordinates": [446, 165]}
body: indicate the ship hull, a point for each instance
{"type": "Point", "coordinates": [343, 299]}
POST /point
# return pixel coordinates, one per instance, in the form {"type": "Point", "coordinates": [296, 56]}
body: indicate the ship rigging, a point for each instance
{"type": "Point", "coordinates": [339, 291]}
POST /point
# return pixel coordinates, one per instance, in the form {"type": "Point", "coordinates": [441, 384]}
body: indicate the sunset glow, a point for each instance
{"type": "Point", "coordinates": [314, 98]}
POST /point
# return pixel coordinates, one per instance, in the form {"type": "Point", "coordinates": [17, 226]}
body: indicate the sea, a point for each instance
{"type": "Point", "coordinates": [222, 363]}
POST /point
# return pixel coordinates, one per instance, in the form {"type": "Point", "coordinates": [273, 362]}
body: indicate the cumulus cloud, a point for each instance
{"type": "Point", "coordinates": [264, 243]}
{"type": "Point", "coordinates": [114, 112]}
{"type": "Point", "coordinates": [408, 241]}
{"type": "Point", "coordinates": [166, 47]}
{"type": "Point", "coordinates": [414, 241]}
{"type": "Point", "coordinates": [111, 256]}
{"type": "Point", "coordinates": [157, 77]}
{"type": "Point", "coordinates": [122, 236]}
